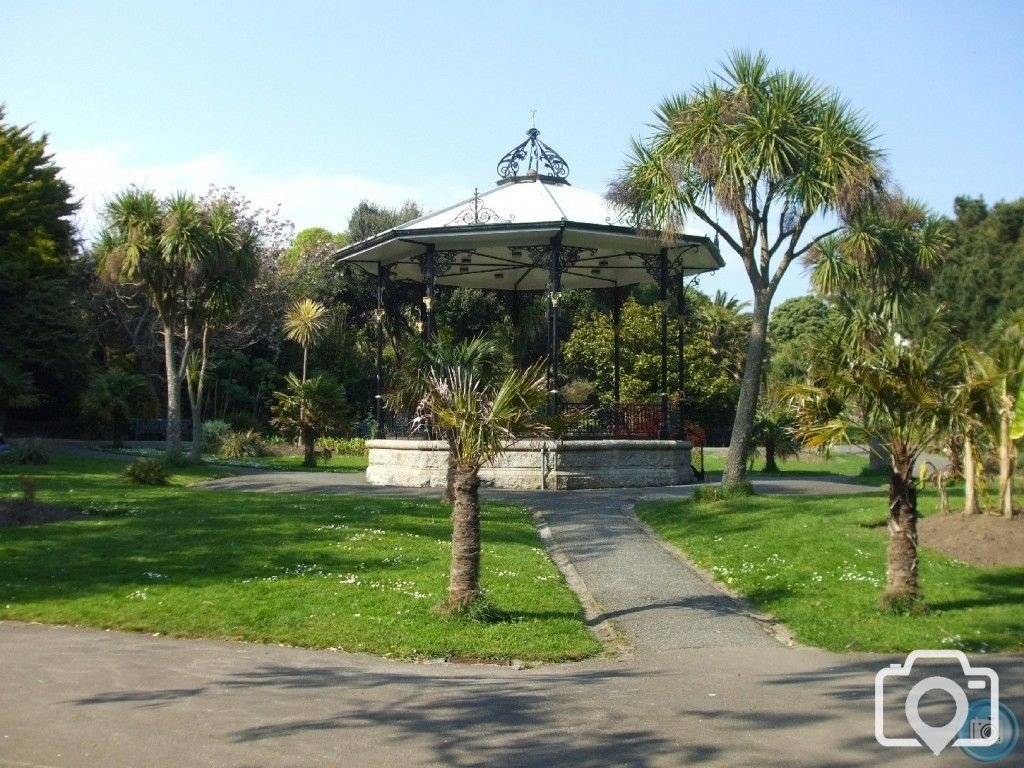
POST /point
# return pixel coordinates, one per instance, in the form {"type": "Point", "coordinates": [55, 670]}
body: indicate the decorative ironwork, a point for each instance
{"type": "Point", "coordinates": [478, 213]}
{"type": "Point", "coordinates": [571, 255]}
{"type": "Point", "coordinates": [652, 264]}
{"type": "Point", "coordinates": [539, 254]}
{"type": "Point", "coordinates": [534, 152]}
{"type": "Point", "coordinates": [442, 262]}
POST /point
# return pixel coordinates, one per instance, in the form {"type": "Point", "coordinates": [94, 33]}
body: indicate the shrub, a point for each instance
{"type": "Point", "coordinates": [30, 451]}
{"type": "Point", "coordinates": [146, 471]}
{"type": "Point", "coordinates": [341, 446]}
{"type": "Point", "coordinates": [242, 445]}
{"type": "Point", "coordinates": [213, 433]}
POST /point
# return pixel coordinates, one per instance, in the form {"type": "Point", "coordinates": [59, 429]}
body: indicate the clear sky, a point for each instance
{"type": "Point", "coordinates": [316, 105]}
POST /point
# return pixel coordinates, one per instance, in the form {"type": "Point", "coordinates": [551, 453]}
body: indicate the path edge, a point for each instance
{"type": "Point", "coordinates": [614, 643]}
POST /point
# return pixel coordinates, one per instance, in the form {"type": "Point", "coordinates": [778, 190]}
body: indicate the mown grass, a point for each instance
{"type": "Point", "coordinates": [852, 466]}
{"type": "Point", "coordinates": [360, 574]}
{"type": "Point", "coordinates": [343, 463]}
{"type": "Point", "coordinates": [818, 565]}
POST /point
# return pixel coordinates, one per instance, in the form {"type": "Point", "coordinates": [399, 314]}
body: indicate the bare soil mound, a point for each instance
{"type": "Point", "coordinates": [14, 513]}
{"type": "Point", "coordinates": [988, 541]}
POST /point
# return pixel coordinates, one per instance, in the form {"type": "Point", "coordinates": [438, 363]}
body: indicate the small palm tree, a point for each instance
{"type": "Point", "coordinates": [775, 431]}
{"type": "Point", "coordinates": [894, 391]}
{"type": "Point", "coordinates": [480, 356]}
{"type": "Point", "coordinates": [309, 409]}
{"type": "Point", "coordinates": [305, 323]}
{"type": "Point", "coordinates": [479, 418]}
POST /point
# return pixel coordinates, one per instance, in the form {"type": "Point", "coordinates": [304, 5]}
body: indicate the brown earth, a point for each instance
{"type": "Point", "coordinates": [14, 513]}
{"type": "Point", "coordinates": [988, 541]}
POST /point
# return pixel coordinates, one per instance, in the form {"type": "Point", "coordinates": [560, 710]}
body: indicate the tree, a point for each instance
{"type": "Point", "coordinates": [791, 332]}
{"type": "Point", "coordinates": [775, 431]}
{"type": "Point", "coordinates": [304, 323]}
{"type": "Point", "coordinates": [771, 149]}
{"type": "Point", "coordinates": [479, 418]}
{"type": "Point", "coordinates": [988, 256]}
{"type": "Point", "coordinates": [194, 262]}
{"type": "Point", "coordinates": [894, 390]}
{"type": "Point", "coordinates": [309, 409]}
{"type": "Point", "coordinates": [42, 350]}
{"type": "Point", "coordinates": [369, 219]}
{"type": "Point", "coordinates": [114, 397]}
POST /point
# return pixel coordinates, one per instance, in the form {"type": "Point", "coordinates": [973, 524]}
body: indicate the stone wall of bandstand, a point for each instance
{"type": "Point", "coordinates": [539, 464]}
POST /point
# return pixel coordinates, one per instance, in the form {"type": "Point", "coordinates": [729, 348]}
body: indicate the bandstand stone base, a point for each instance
{"type": "Point", "coordinates": [537, 464]}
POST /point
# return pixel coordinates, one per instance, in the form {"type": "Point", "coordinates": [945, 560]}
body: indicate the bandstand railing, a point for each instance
{"type": "Point", "coordinates": [625, 421]}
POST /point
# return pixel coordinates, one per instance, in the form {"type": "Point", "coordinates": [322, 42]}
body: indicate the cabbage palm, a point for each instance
{"type": "Point", "coordinates": [305, 323]}
{"type": "Point", "coordinates": [308, 409]}
{"type": "Point", "coordinates": [194, 261]}
{"type": "Point", "coordinates": [894, 391]}
{"type": "Point", "coordinates": [770, 149]}
{"type": "Point", "coordinates": [130, 250]}
{"type": "Point", "coordinates": [479, 417]}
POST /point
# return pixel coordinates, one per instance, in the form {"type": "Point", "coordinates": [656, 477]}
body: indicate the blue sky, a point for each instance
{"type": "Point", "coordinates": [315, 106]}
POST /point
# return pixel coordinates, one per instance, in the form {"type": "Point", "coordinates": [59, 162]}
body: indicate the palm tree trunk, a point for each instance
{"type": "Point", "coordinates": [750, 385]}
{"type": "Point", "coordinates": [1005, 457]}
{"type": "Point", "coordinates": [173, 394]}
{"type": "Point", "coordinates": [770, 464]}
{"type": "Point", "coordinates": [196, 392]}
{"type": "Point", "coordinates": [902, 588]}
{"type": "Point", "coordinates": [305, 353]}
{"type": "Point", "coordinates": [464, 580]}
{"type": "Point", "coordinates": [308, 446]}
{"type": "Point", "coordinates": [970, 477]}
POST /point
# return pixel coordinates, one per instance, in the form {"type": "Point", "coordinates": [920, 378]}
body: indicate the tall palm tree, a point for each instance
{"type": "Point", "coordinates": [479, 418]}
{"type": "Point", "coordinates": [893, 391]}
{"type": "Point", "coordinates": [130, 250]}
{"type": "Point", "coordinates": [305, 323]}
{"type": "Point", "coordinates": [770, 149]}
{"type": "Point", "coordinates": [219, 280]}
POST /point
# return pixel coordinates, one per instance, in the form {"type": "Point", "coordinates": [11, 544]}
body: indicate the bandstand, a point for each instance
{"type": "Point", "coordinates": [535, 232]}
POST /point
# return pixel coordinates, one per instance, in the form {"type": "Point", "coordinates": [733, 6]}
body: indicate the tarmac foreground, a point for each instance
{"type": "Point", "coordinates": [704, 683]}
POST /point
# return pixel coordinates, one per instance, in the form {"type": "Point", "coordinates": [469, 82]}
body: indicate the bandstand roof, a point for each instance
{"type": "Point", "coordinates": [500, 239]}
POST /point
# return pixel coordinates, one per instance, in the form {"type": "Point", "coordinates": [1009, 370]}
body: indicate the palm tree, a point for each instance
{"type": "Point", "coordinates": [219, 280]}
{"type": "Point", "coordinates": [308, 409]}
{"type": "Point", "coordinates": [479, 418]}
{"type": "Point", "coordinates": [771, 149]}
{"type": "Point", "coordinates": [304, 323]}
{"type": "Point", "coordinates": [775, 431]}
{"type": "Point", "coordinates": [1008, 359]}
{"type": "Point", "coordinates": [480, 356]}
{"type": "Point", "coordinates": [893, 391]}
{"type": "Point", "coordinates": [130, 250]}
{"type": "Point", "coordinates": [194, 262]}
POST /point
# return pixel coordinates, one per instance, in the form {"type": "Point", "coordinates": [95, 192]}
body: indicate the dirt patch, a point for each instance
{"type": "Point", "coordinates": [984, 540]}
{"type": "Point", "coordinates": [14, 513]}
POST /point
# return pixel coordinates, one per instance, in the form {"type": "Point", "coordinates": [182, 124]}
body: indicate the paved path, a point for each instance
{"type": "Point", "coordinates": [731, 696]}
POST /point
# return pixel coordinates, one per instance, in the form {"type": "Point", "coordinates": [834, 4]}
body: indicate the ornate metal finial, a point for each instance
{"type": "Point", "coordinates": [478, 213]}
{"type": "Point", "coordinates": [534, 152]}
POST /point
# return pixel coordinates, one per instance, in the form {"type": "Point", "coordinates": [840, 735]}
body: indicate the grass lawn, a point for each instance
{"type": "Point", "coordinates": [359, 574]}
{"type": "Point", "coordinates": [294, 463]}
{"type": "Point", "coordinates": [340, 463]}
{"type": "Point", "coordinates": [818, 565]}
{"type": "Point", "coordinates": [853, 466]}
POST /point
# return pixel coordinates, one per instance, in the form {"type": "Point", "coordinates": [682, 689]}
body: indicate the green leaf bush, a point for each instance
{"type": "Point", "coordinates": [146, 471]}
